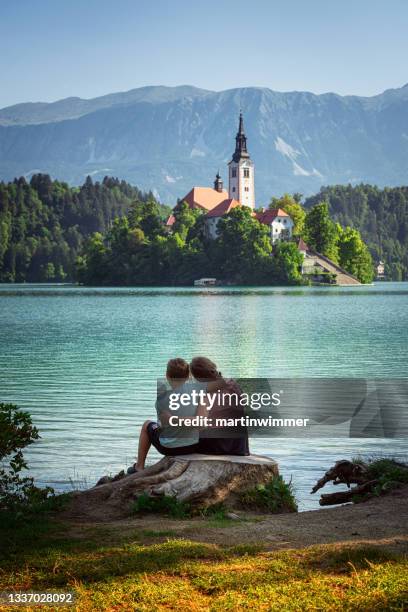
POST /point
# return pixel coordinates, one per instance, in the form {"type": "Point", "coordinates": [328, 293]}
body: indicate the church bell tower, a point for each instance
{"type": "Point", "coordinates": [241, 184]}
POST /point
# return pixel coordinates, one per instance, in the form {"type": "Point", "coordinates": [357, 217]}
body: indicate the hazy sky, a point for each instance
{"type": "Point", "coordinates": [51, 49]}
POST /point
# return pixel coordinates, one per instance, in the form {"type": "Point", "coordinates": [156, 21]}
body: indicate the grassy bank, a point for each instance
{"type": "Point", "coordinates": [111, 569]}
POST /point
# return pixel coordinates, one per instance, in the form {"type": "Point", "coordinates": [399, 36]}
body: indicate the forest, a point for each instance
{"type": "Point", "coordinates": [381, 216]}
{"type": "Point", "coordinates": [44, 224]}
{"type": "Point", "coordinates": [111, 233]}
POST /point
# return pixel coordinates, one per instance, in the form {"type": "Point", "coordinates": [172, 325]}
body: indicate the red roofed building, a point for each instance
{"type": "Point", "coordinates": [241, 180]}
{"type": "Point", "coordinates": [212, 218]}
{"type": "Point", "coordinates": [302, 247]}
{"type": "Point", "coordinates": [206, 198]}
{"type": "Point", "coordinates": [216, 202]}
{"type": "Point", "coordinates": [281, 225]}
{"type": "Point", "coordinates": [170, 222]}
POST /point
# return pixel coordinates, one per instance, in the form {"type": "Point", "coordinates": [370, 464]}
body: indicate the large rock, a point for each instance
{"type": "Point", "coordinates": [199, 480]}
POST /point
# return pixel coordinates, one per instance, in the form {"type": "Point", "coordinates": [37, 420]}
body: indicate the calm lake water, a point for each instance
{"type": "Point", "coordinates": [84, 362]}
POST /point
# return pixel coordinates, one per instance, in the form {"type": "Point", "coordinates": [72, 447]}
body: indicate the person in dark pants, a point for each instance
{"type": "Point", "coordinates": [223, 441]}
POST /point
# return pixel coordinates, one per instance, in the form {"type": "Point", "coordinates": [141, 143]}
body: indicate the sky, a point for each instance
{"type": "Point", "coordinates": [52, 49]}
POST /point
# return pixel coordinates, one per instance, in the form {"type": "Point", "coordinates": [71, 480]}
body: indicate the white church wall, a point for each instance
{"type": "Point", "coordinates": [281, 227]}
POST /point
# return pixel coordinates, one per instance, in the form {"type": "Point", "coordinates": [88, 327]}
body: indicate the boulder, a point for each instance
{"type": "Point", "coordinates": [199, 480]}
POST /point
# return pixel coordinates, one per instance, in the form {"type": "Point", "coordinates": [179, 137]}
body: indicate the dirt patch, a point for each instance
{"type": "Point", "coordinates": [381, 521]}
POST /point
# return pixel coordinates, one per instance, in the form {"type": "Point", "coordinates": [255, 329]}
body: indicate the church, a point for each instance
{"type": "Point", "coordinates": [216, 201]}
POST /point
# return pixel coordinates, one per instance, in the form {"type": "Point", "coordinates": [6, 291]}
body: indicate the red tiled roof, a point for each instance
{"type": "Point", "coordinates": [170, 221]}
{"type": "Point", "coordinates": [267, 216]}
{"type": "Point", "coordinates": [302, 246]}
{"type": "Point", "coordinates": [223, 208]}
{"type": "Point", "coordinates": [205, 198]}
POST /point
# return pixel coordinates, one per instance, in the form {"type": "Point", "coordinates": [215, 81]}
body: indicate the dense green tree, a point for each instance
{"type": "Point", "coordinates": [354, 255]}
{"type": "Point", "coordinates": [243, 247]}
{"type": "Point", "coordinates": [242, 253]}
{"type": "Point", "coordinates": [185, 219]}
{"type": "Point", "coordinates": [148, 216]}
{"type": "Point", "coordinates": [286, 263]}
{"type": "Point", "coordinates": [110, 233]}
{"type": "Point", "coordinates": [320, 231]}
{"type": "Point", "coordinates": [44, 224]}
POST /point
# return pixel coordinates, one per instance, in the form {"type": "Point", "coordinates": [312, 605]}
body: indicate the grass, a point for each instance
{"type": "Point", "coordinates": [165, 504]}
{"type": "Point", "coordinates": [274, 496]}
{"type": "Point", "coordinates": [388, 470]}
{"type": "Point", "coordinates": [192, 576]}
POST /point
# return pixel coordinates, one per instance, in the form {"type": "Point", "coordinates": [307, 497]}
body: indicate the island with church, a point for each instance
{"type": "Point", "coordinates": [216, 203]}
{"type": "Point", "coordinates": [111, 233]}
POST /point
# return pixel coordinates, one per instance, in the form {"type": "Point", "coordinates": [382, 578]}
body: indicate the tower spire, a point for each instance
{"type": "Point", "coordinates": [241, 123]}
{"type": "Point", "coordinates": [241, 184]}
{"type": "Point", "coordinates": [240, 141]}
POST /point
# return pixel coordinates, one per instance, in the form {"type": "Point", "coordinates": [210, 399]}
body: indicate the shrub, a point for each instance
{"type": "Point", "coordinates": [275, 496]}
{"type": "Point", "coordinates": [389, 470]}
{"type": "Point", "coordinates": [390, 474]}
{"type": "Point", "coordinates": [16, 432]}
{"type": "Point", "coordinates": [165, 504]}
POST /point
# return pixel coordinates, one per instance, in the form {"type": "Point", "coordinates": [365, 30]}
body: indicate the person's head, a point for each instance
{"type": "Point", "coordinates": [177, 371]}
{"type": "Point", "coordinates": [204, 369]}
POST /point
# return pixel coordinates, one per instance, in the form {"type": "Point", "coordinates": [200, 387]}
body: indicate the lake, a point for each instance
{"type": "Point", "coordinates": [84, 362]}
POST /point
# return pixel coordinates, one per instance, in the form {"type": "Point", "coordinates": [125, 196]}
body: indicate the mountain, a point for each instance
{"type": "Point", "coordinates": [171, 138]}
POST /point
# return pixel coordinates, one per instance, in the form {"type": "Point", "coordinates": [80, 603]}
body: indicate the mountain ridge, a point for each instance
{"type": "Point", "coordinates": [170, 139]}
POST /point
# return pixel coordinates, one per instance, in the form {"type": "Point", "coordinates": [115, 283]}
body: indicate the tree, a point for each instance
{"type": "Point", "coordinates": [380, 215]}
{"type": "Point", "coordinates": [354, 255]}
{"type": "Point", "coordinates": [45, 224]}
{"type": "Point", "coordinates": [147, 216]}
{"type": "Point", "coordinates": [286, 263]}
{"type": "Point", "coordinates": [186, 218]}
{"type": "Point", "coordinates": [243, 247]}
{"type": "Point", "coordinates": [92, 265]}
{"type": "Point", "coordinates": [320, 232]}
{"type": "Point", "coordinates": [16, 433]}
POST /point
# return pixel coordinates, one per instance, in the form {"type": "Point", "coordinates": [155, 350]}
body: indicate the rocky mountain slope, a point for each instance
{"type": "Point", "coordinates": [172, 138]}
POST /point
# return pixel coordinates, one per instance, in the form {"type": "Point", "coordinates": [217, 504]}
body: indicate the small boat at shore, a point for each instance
{"type": "Point", "coordinates": [206, 282]}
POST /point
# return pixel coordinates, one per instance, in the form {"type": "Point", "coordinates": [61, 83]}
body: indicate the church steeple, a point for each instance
{"type": "Point", "coordinates": [218, 184]}
{"type": "Point", "coordinates": [241, 184]}
{"type": "Point", "coordinates": [240, 142]}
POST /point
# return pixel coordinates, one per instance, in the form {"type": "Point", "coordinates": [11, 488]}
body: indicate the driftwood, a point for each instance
{"type": "Point", "coordinates": [199, 480]}
{"type": "Point", "coordinates": [343, 472]}
{"type": "Point", "coordinates": [343, 497]}
{"type": "Point", "coordinates": [346, 472]}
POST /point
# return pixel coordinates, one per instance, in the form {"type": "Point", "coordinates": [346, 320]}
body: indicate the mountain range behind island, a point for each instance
{"type": "Point", "coordinates": [168, 139]}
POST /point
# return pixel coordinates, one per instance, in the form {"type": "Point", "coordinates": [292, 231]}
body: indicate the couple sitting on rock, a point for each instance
{"type": "Point", "coordinates": [201, 375]}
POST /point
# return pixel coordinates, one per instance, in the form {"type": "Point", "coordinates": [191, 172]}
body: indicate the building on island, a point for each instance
{"type": "Point", "coordinates": [319, 269]}
{"type": "Point", "coordinates": [213, 217]}
{"type": "Point", "coordinates": [281, 225]}
{"type": "Point", "coordinates": [206, 198]}
{"type": "Point", "coordinates": [241, 178]}
{"type": "Point", "coordinates": [380, 271]}
{"type": "Point", "coordinates": [216, 202]}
